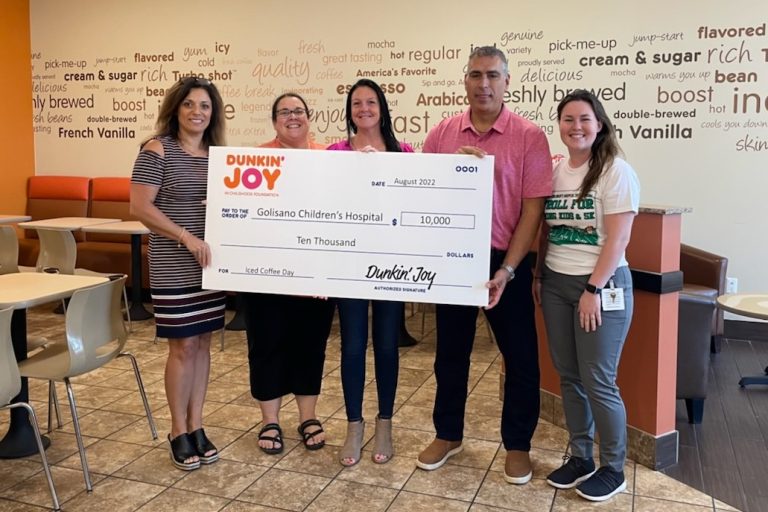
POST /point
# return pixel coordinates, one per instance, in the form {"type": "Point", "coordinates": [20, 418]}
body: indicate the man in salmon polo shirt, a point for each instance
{"type": "Point", "coordinates": [522, 180]}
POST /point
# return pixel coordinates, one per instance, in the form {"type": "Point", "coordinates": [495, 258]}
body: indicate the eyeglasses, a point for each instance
{"type": "Point", "coordinates": [196, 80]}
{"type": "Point", "coordinates": [286, 113]}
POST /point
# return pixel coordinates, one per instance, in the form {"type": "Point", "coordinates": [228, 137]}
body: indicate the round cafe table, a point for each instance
{"type": "Point", "coordinates": [753, 305]}
{"type": "Point", "coordinates": [6, 218]}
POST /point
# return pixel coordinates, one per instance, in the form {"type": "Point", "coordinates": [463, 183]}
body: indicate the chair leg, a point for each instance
{"type": "Point", "coordinates": [78, 436]}
{"type": "Point", "coordinates": [222, 339]}
{"type": "Point", "coordinates": [41, 449]}
{"type": "Point", "coordinates": [143, 393]}
{"type": "Point", "coordinates": [53, 399]}
{"type": "Point", "coordinates": [50, 407]}
{"type": "Point", "coordinates": [695, 409]}
{"type": "Point", "coordinates": [423, 321]}
{"type": "Point", "coordinates": [716, 344]}
{"type": "Point", "coordinates": [127, 310]}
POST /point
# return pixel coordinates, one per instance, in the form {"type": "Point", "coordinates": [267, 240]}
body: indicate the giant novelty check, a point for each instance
{"type": "Point", "coordinates": [390, 226]}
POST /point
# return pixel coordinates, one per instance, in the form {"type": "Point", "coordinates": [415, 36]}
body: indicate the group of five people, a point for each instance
{"type": "Point", "coordinates": [580, 279]}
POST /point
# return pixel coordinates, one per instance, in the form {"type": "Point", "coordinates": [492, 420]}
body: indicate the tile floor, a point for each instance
{"type": "Point", "coordinates": [132, 472]}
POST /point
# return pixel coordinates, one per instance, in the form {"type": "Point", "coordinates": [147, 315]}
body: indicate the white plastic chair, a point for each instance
{"type": "Point", "coordinates": [9, 252]}
{"type": "Point", "coordinates": [95, 336]}
{"type": "Point", "coordinates": [9, 264]}
{"type": "Point", "coordinates": [9, 257]}
{"type": "Point", "coordinates": [58, 253]}
{"type": "Point", "coordinates": [10, 385]}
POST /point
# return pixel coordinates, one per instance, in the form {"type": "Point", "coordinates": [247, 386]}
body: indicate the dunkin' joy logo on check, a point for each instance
{"type": "Point", "coordinates": [253, 171]}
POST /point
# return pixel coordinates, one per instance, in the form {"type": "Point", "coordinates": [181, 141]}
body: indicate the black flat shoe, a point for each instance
{"type": "Point", "coordinates": [204, 445]}
{"type": "Point", "coordinates": [182, 449]}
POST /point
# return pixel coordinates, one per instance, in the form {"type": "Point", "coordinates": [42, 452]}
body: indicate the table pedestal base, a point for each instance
{"type": "Point", "coordinates": [761, 380]}
{"type": "Point", "coordinates": [139, 312]}
{"type": "Point", "coordinates": [20, 439]}
{"type": "Point", "coordinates": [238, 321]}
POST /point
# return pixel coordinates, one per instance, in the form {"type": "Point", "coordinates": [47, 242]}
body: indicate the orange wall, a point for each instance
{"type": "Point", "coordinates": [16, 131]}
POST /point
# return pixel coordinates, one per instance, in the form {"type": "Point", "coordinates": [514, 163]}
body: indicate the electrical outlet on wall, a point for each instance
{"type": "Point", "coordinates": [731, 285]}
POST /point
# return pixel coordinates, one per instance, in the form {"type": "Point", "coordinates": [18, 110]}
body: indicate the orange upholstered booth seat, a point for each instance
{"type": "Point", "coordinates": [49, 197]}
{"type": "Point", "coordinates": [106, 252]}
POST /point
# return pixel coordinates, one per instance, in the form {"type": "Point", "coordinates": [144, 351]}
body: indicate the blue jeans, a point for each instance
{"type": "Point", "coordinates": [353, 317]}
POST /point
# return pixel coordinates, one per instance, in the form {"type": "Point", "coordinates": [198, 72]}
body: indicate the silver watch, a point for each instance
{"type": "Point", "coordinates": [511, 270]}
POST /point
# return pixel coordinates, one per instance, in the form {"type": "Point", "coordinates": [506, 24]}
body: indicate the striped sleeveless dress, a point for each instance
{"type": "Point", "coordinates": [182, 308]}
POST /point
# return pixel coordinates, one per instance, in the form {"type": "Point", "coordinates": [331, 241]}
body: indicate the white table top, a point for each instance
{"type": "Point", "coordinates": [65, 223]}
{"type": "Point", "coordinates": [753, 305]}
{"type": "Point", "coordinates": [10, 219]}
{"type": "Point", "coordinates": [26, 289]}
{"type": "Point", "coordinates": [128, 227]}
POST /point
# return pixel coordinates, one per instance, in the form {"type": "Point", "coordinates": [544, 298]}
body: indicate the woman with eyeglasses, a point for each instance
{"type": "Point", "coordinates": [290, 118]}
{"type": "Point", "coordinates": [369, 129]}
{"type": "Point", "coordinates": [287, 334]}
{"type": "Point", "coordinates": [168, 187]}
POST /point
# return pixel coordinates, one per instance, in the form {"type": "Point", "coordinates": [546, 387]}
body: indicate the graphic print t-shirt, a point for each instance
{"type": "Point", "coordinates": [576, 227]}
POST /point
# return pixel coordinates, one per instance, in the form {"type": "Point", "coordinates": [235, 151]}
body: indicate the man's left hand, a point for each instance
{"type": "Point", "coordinates": [496, 286]}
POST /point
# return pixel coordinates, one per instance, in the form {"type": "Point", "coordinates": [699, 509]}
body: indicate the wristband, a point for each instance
{"type": "Point", "coordinates": [590, 288]}
{"type": "Point", "coordinates": [180, 238]}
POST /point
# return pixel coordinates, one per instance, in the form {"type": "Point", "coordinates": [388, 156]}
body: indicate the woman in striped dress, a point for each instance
{"type": "Point", "coordinates": [168, 188]}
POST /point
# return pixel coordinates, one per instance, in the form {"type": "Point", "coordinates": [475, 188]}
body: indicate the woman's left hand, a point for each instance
{"type": "Point", "coordinates": [589, 311]}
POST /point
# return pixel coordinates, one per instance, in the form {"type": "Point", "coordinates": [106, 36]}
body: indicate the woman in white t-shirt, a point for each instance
{"type": "Point", "coordinates": [585, 288]}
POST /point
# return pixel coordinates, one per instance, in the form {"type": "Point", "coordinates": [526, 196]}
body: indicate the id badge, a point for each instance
{"type": "Point", "coordinates": [613, 298]}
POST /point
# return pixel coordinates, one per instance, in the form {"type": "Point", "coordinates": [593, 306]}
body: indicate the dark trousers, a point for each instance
{"type": "Point", "coordinates": [353, 319]}
{"type": "Point", "coordinates": [287, 336]}
{"type": "Point", "coordinates": [513, 325]}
